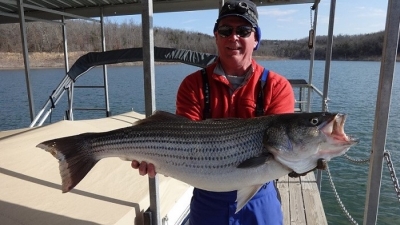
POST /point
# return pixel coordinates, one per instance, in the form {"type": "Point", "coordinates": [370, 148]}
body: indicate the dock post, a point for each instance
{"type": "Point", "coordinates": [149, 90]}
{"type": "Point", "coordinates": [388, 63]}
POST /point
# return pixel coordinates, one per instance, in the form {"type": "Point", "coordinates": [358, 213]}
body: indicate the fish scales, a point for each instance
{"type": "Point", "coordinates": [189, 145]}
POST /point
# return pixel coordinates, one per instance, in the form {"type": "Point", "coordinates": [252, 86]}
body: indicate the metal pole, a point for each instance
{"type": "Point", "coordinates": [105, 76]}
{"type": "Point", "coordinates": [26, 57]}
{"type": "Point", "coordinates": [388, 63]}
{"type": "Point", "coordinates": [149, 91]}
{"type": "Point", "coordinates": [71, 100]}
{"type": "Point", "coordinates": [66, 63]}
{"type": "Point", "coordinates": [311, 72]}
{"type": "Point", "coordinates": [328, 59]}
{"type": "Point", "coordinates": [148, 56]}
{"type": "Point", "coordinates": [64, 33]}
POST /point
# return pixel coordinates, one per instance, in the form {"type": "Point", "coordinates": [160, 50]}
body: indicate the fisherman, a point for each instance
{"type": "Point", "coordinates": [232, 88]}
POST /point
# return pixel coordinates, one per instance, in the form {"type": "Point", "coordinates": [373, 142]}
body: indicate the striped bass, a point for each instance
{"type": "Point", "coordinates": [216, 154]}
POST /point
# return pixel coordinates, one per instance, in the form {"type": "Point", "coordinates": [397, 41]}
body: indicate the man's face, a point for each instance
{"type": "Point", "coordinates": [234, 49]}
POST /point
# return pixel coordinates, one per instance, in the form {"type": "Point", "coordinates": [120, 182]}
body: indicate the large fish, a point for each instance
{"type": "Point", "coordinates": [214, 155]}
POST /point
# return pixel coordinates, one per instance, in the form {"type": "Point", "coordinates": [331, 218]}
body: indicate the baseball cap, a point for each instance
{"type": "Point", "coordinates": [241, 8]}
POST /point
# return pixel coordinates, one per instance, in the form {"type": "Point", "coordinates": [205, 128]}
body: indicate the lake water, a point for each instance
{"type": "Point", "coordinates": [353, 90]}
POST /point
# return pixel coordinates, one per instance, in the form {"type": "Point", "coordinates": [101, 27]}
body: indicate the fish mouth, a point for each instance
{"type": "Point", "coordinates": [337, 138]}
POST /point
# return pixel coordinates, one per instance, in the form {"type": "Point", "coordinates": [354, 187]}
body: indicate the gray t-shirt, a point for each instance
{"type": "Point", "coordinates": [235, 81]}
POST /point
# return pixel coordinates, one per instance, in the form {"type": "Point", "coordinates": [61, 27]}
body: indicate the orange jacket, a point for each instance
{"type": "Point", "coordinates": [279, 97]}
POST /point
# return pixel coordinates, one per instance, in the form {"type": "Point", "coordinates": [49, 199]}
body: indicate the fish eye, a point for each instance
{"type": "Point", "coordinates": [314, 121]}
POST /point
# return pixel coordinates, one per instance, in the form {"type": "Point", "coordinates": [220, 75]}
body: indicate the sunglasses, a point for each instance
{"type": "Point", "coordinates": [242, 31]}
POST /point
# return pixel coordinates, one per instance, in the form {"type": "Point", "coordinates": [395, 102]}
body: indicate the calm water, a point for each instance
{"type": "Point", "coordinates": [353, 89]}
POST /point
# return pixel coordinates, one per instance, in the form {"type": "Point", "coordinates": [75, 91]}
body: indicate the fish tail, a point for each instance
{"type": "Point", "coordinates": [74, 159]}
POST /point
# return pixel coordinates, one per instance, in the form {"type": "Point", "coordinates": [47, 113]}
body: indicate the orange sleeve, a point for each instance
{"type": "Point", "coordinates": [280, 97]}
{"type": "Point", "coordinates": [190, 99]}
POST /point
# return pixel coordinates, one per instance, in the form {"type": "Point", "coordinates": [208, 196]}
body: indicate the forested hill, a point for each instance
{"type": "Point", "coordinates": [85, 36]}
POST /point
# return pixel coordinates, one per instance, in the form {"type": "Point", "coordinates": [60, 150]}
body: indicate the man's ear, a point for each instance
{"type": "Point", "coordinates": [216, 36]}
{"type": "Point", "coordinates": [255, 44]}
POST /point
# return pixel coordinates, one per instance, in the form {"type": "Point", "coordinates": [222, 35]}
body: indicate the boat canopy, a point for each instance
{"type": "Point", "coordinates": [44, 10]}
{"type": "Point", "coordinates": [89, 60]}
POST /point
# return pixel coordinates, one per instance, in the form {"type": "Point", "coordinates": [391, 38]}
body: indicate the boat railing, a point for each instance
{"type": "Point", "coordinates": [92, 59]}
{"type": "Point", "coordinates": [301, 90]}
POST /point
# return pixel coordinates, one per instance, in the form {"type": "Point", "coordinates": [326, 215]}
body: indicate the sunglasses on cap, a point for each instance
{"type": "Point", "coordinates": [242, 31]}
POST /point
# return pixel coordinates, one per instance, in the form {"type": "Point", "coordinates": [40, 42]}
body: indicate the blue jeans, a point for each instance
{"type": "Point", "coordinates": [218, 208]}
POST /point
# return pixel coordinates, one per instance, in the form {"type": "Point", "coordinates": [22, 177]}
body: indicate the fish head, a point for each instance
{"type": "Point", "coordinates": [299, 140]}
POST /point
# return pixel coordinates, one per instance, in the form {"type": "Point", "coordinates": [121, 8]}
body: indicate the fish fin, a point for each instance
{"type": "Point", "coordinates": [255, 161]}
{"type": "Point", "coordinates": [245, 194]}
{"type": "Point", "coordinates": [74, 161]}
{"type": "Point", "coordinates": [226, 119]}
{"type": "Point", "coordinates": [159, 116]}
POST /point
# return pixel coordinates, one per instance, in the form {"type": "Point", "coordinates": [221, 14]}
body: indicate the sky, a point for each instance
{"type": "Point", "coordinates": [285, 22]}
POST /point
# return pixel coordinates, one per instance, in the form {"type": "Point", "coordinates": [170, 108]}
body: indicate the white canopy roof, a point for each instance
{"type": "Point", "coordinates": [51, 10]}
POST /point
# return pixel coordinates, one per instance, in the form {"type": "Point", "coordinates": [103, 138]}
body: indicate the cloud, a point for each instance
{"type": "Point", "coordinates": [189, 21]}
{"type": "Point", "coordinates": [286, 19]}
{"type": "Point", "coordinates": [276, 12]}
{"type": "Point", "coordinates": [370, 12]}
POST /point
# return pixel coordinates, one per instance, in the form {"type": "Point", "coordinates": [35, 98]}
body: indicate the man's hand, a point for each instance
{"type": "Point", "coordinates": [144, 168]}
{"type": "Point", "coordinates": [321, 165]}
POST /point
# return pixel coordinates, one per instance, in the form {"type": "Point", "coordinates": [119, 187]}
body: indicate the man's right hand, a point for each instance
{"type": "Point", "coordinates": [144, 168]}
{"type": "Point", "coordinates": [321, 165]}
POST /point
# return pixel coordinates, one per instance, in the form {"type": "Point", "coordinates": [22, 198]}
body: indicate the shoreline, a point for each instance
{"type": "Point", "coordinates": [41, 60]}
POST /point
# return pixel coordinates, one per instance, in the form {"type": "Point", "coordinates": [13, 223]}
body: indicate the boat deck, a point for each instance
{"type": "Point", "coordinates": [112, 192]}
{"type": "Point", "coordinates": [301, 201]}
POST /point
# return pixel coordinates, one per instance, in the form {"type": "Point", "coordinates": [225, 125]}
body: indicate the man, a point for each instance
{"type": "Point", "coordinates": [234, 85]}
